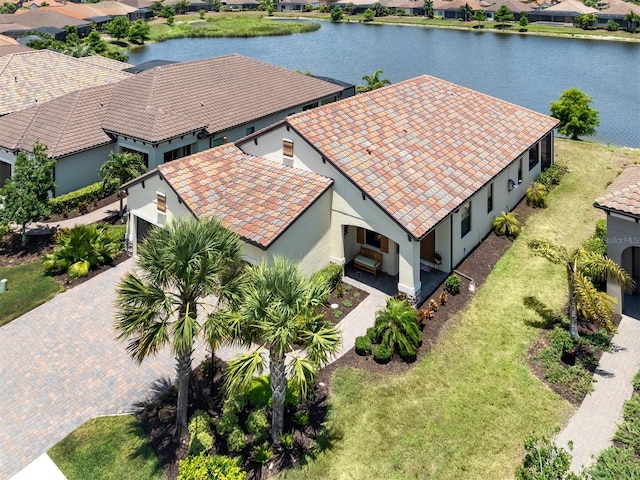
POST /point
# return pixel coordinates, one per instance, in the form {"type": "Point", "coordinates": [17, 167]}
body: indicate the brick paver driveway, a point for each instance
{"type": "Point", "coordinates": [60, 366]}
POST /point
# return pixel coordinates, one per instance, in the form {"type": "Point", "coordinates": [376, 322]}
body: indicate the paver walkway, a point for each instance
{"type": "Point", "coordinates": [60, 366]}
{"type": "Point", "coordinates": [592, 427]}
{"type": "Point", "coordinates": [39, 228]}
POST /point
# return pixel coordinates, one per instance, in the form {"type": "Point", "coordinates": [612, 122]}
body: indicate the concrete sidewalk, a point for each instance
{"type": "Point", "coordinates": [592, 427]}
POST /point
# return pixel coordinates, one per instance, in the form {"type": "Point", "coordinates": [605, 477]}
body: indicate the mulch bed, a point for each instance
{"type": "Point", "coordinates": [345, 304]}
{"type": "Point", "coordinates": [90, 208]}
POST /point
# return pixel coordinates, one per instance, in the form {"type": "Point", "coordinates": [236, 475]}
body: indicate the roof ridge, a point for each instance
{"type": "Point", "coordinates": [72, 106]}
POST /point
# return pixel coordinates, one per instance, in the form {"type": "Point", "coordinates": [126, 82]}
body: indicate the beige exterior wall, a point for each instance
{"type": "Point", "coordinates": [623, 233]}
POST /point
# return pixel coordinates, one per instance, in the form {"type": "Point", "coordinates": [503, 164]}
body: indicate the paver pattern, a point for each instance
{"type": "Point", "coordinates": [592, 427]}
{"type": "Point", "coordinates": [60, 366]}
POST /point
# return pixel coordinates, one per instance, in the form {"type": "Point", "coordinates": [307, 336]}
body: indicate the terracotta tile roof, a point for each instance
{"type": "Point", "coordinates": [257, 198]}
{"type": "Point", "coordinates": [66, 124]}
{"type": "Point", "coordinates": [572, 6]}
{"type": "Point", "coordinates": [37, 76]}
{"type": "Point", "coordinates": [456, 4]}
{"type": "Point", "coordinates": [218, 93]}
{"type": "Point", "coordinates": [138, 3]}
{"type": "Point", "coordinates": [422, 147]}
{"type": "Point", "coordinates": [88, 10]}
{"type": "Point", "coordinates": [623, 195]}
{"type": "Point", "coordinates": [620, 9]}
{"type": "Point", "coordinates": [514, 6]}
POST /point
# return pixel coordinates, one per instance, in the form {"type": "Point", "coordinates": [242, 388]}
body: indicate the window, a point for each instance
{"type": "Point", "coordinates": [533, 156]}
{"type": "Point", "coordinates": [145, 156]}
{"type": "Point", "coordinates": [520, 171]}
{"type": "Point", "coordinates": [177, 153]}
{"type": "Point", "coordinates": [372, 239]}
{"type": "Point", "coordinates": [309, 106]}
{"type": "Point", "coordinates": [161, 201]}
{"type": "Point", "coordinates": [287, 147]}
{"type": "Point", "coordinates": [490, 198]}
{"type": "Point", "coordinates": [250, 130]}
{"type": "Point", "coordinates": [465, 219]}
{"type": "Point", "coordinates": [216, 142]}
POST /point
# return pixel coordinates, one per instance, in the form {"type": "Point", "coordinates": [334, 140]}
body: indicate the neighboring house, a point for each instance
{"type": "Point", "coordinates": [9, 49]}
{"type": "Point", "coordinates": [36, 76]}
{"type": "Point", "coordinates": [91, 11]}
{"type": "Point", "coordinates": [42, 18]}
{"type": "Point", "coordinates": [295, 5]}
{"type": "Point", "coordinates": [451, 10]}
{"type": "Point", "coordinates": [238, 5]}
{"type": "Point", "coordinates": [621, 202]}
{"type": "Point", "coordinates": [565, 12]}
{"type": "Point", "coordinates": [419, 169]}
{"type": "Point", "coordinates": [616, 11]}
{"type": "Point", "coordinates": [164, 113]}
{"type": "Point", "coordinates": [516, 7]}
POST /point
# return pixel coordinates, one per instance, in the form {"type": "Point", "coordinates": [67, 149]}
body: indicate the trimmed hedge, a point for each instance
{"type": "Point", "coordinates": [363, 346]}
{"type": "Point", "coordinates": [330, 275]}
{"type": "Point", "coordinates": [382, 354]}
{"type": "Point", "coordinates": [89, 194]}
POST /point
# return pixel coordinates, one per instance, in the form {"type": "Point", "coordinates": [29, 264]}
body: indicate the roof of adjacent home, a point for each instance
{"type": "Point", "coordinates": [89, 10]}
{"type": "Point", "coordinates": [571, 6]}
{"type": "Point", "coordinates": [9, 49]}
{"type": "Point", "coordinates": [623, 195]}
{"type": "Point", "coordinates": [41, 17]}
{"type": "Point", "coordinates": [513, 5]}
{"type": "Point", "coordinates": [5, 41]}
{"type": "Point", "coordinates": [257, 198]}
{"type": "Point", "coordinates": [619, 8]}
{"type": "Point", "coordinates": [36, 76]}
{"type": "Point", "coordinates": [218, 93]}
{"type": "Point", "coordinates": [65, 124]}
{"type": "Point", "coordinates": [422, 147]}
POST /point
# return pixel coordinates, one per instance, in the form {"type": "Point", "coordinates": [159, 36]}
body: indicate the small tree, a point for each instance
{"type": "Point", "coordinates": [428, 8]}
{"type": "Point", "coordinates": [524, 21]}
{"type": "Point", "coordinates": [156, 7]}
{"type": "Point", "coordinates": [336, 14]}
{"type": "Point", "coordinates": [575, 115]}
{"type": "Point", "coordinates": [368, 15]}
{"type": "Point", "coordinates": [95, 42]}
{"type": "Point", "coordinates": [467, 12]}
{"type": "Point", "coordinates": [139, 32]}
{"type": "Point", "coordinates": [480, 15]}
{"type": "Point", "coordinates": [123, 167]}
{"type": "Point", "coordinates": [503, 15]}
{"type": "Point", "coordinates": [350, 8]}
{"type": "Point", "coordinates": [202, 12]}
{"type": "Point", "coordinates": [633, 20]}
{"type": "Point", "coordinates": [397, 327]}
{"type": "Point", "coordinates": [182, 6]}
{"type": "Point", "coordinates": [118, 28]}
{"type": "Point", "coordinates": [507, 224]}
{"type": "Point", "coordinates": [25, 196]}
{"type": "Point", "coordinates": [168, 11]}
{"type": "Point", "coordinates": [171, 20]}
{"type": "Point", "coordinates": [544, 460]}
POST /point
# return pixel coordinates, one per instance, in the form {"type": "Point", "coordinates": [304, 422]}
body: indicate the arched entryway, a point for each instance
{"type": "Point", "coordinates": [630, 261]}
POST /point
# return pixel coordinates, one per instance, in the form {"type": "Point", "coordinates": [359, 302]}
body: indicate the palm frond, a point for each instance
{"type": "Point", "coordinates": [592, 304]}
{"type": "Point", "coordinates": [301, 373]}
{"type": "Point", "coordinates": [321, 342]}
{"type": "Point", "coordinates": [603, 268]}
{"type": "Point", "coordinates": [549, 251]}
{"type": "Point", "coordinates": [241, 370]}
{"type": "Point", "coordinates": [185, 328]}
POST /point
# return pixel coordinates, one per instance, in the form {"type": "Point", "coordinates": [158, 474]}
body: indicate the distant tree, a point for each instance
{"type": "Point", "coordinates": [168, 11]}
{"type": "Point", "coordinates": [503, 14]}
{"type": "Point", "coordinates": [612, 26]}
{"type": "Point", "coordinates": [466, 11]}
{"type": "Point", "coordinates": [117, 54]}
{"type": "Point", "coordinates": [587, 21]}
{"type": "Point", "coordinates": [480, 15]}
{"type": "Point", "coordinates": [156, 7]}
{"type": "Point", "coordinates": [368, 15]}
{"type": "Point", "coordinates": [575, 115]}
{"type": "Point", "coordinates": [182, 6]}
{"type": "Point", "coordinates": [123, 167]}
{"type": "Point", "coordinates": [171, 20]}
{"type": "Point", "coordinates": [95, 42]}
{"type": "Point", "coordinates": [350, 8]}
{"type": "Point", "coordinates": [78, 50]}
{"type": "Point", "coordinates": [590, 3]}
{"type": "Point", "coordinates": [633, 20]}
{"type": "Point", "coordinates": [118, 28]}
{"type": "Point", "coordinates": [380, 10]}
{"type": "Point", "coordinates": [428, 8]}
{"type": "Point", "coordinates": [25, 196]}
{"type": "Point", "coordinates": [336, 14]}
{"type": "Point", "coordinates": [524, 21]}
{"type": "Point", "coordinates": [202, 12]}
{"type": "Point", "coordinates": [9, 8]}
{"type": "Point", "coordinates": [373, 82]}
{"type": "Point", "coordinates": [139, 32]}
{"type": "Point", "coordinates": [71, 35]}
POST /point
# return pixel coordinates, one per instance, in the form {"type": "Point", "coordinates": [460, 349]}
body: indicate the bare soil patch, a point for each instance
{"type": "Point", "coordinates": [90, 208]}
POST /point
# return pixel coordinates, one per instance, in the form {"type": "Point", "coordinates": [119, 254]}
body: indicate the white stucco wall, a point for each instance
{"type": "Point", "coordinates": [622, 233]}
{"type": "Point", "coordinates": [79, 170]}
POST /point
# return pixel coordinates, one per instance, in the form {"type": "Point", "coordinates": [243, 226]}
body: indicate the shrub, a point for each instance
{"type": "Point", "coordinates": [632, 409]}
{"type": "Point", "coordinates": [425, 314]}
{"type": "Point", "coordinates": [636, 381]}
{"type": "Point", "coordinates": [363, 346]}
{"type": "Point", "coordinates": [397, 326]}
{"type": "Point", "coordinates": [82, 248]}
{"type": "Point", "coordinates": [408, 356]}
{"type": "Point", "coordinates": [452, 284]}
{"type": "Point", "coordinates": [259, 394]}
{"type": "Point", "coordinates": [236, 440]}
{"type": "Point", "coordinates": [337, 314]}
{"type": "Point", "coordinates": [432, 305]}
{"type": "Point", "coordinates": [256, 421]}
{"type": "Point", "coordinates": [336, 14]}
{"type": "Point", "coordinates": [234, 404]}
{"type": "Point", "coordinates": [381, 354]}
{"type": "Point", "coordinates": [597, 243]}
{"type": "Point", "coordinates": [330, 276]}
{"type": "Point", "coordinates": [213, 467]}
{"type": "Point", "coordinates": [347, 304]}
{"type": "Point", "coordinates": [544, 461]}
{"type": "Point", "coordinates": [537, 195]}
{"type": "Point", "coordinates": [301, 419]}
{"type": "Point", "coordinates": [629, 434]}
{"type": "Point", "coordinates": [201, 442]}
{"type": "Point", "coordinates": [375, 338]}
{"type": "Point", "coordinates": [507, 224]}
{"type": "Point", "coordinates": [615, 464]}
{"type": "Point", "coordinates": [368, 15]}
{"type": "Point", "coordinates": [89, 194]}
{"type": "Point", "coordinates": [200, 421]}
{"type": "Point", "coordinates": [552, 175]}
{"type": "Point", "coordinates": [227, 423]}
{"type": "Point", "coordinates": [202, 12]}
{"type": "Point", "coordinates": [612, 26]}
{"type": "Point", "coordinates": [262, 453]}
{"type": "Point", "coordinates": [286, 440]}
{"type": "Point", "coordinates": [443, 298]}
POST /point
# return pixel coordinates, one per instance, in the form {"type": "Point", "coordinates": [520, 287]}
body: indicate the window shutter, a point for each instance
{"type": "Point", "coordinates": [161, 202]}
{"type": "Point", "coordinates": [287, 148]}
{"type": "Point", "coordinates": [384, 244]}
{"type": "Point", "coordinates": [360, 235]}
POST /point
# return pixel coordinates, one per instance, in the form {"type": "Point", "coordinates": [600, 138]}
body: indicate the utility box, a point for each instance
{"type": "Point", "coordinates": [3, 285]}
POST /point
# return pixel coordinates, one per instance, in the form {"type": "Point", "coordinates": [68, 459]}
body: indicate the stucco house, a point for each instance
{"type": "Point", "coordinates": [621, 202]}
{"type": "Point", "coordinates": [418, 170]}
{"type": "Point", "coordinates": [163, 113]}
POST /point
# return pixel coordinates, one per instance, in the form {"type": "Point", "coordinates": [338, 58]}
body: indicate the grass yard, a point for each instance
{"type": "Point", "coordinates": [465, 409]}
{"type": "Point", "coordinates": [28, 288]}
{"type": "Point", "coordinates": [107, 448]}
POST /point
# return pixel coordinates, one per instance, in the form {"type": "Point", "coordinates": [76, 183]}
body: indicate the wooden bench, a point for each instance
{"type": "Point", "coordinates": [368, 260]}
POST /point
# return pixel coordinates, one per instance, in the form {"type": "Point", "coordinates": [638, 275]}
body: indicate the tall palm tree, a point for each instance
{"type": "Point", "coordinates": [280, 311]}
{"type": "Point", "coordinates": [123, 167]}
{"type": "Point", "coordinates": [467, 11]}
{"type": "Point", "coordinates": [373, 82]}
{"type": "Point", "coordinates": [632, 19]}
{"type": "Point", "coordinates": [582, 266]}
{"type": "Point", "coordinates": [182, 267]}
{"type": "Point", "coordinates": [428, 8]}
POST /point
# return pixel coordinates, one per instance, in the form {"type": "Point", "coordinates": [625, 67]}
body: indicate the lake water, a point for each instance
{"type": "Point", "coordinates": [527, 70]}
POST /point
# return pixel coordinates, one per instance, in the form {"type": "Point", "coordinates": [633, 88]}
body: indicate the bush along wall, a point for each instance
{"type": "Point", "coordinates": [89, 194]}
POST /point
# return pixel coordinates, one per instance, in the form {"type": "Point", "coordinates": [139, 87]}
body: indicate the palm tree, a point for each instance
{"type": "Point", "coordinates": [507, 224]}
{"type": "Point", "coordinates": [397, 327]}
{"type": "Point", "coordinates": [582, 267]}
{"type": "Point", "coordinates": [632, 19]}
{"type": "Point", "coordinates": [466, 12]}
{"type": "Point", "coordinates": [373, 82]}
{"type": "Point", "coordinates": [122, 167]}
{"type": "Point", "coordinates": [428, 8]}
{"type": "Point", "coordinates": [182, 266]}
{"type": "Point", "coordinates": [280, 310]}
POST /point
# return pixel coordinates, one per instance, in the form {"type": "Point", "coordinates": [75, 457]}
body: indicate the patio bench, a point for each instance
{"type": "Point", "coordinates": [368, 260]}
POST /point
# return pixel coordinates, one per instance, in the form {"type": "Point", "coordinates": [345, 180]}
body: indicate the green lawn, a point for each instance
{"type": "Point", "coordinates": [465, 409]}
{"type": "Point", "coordinates": [107, 448]}
{"type": "Point", "coordinates": [28, 288]}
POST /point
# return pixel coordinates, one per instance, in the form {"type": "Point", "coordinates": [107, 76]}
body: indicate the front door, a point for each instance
{"type": "Point", "coordinates": [428, 247]}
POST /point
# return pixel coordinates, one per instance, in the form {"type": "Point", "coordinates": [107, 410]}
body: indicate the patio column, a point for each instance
{"type": "Point", "coordinates": [338, 238]}
{"type": "Point", "coordinates": [409, 278]}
